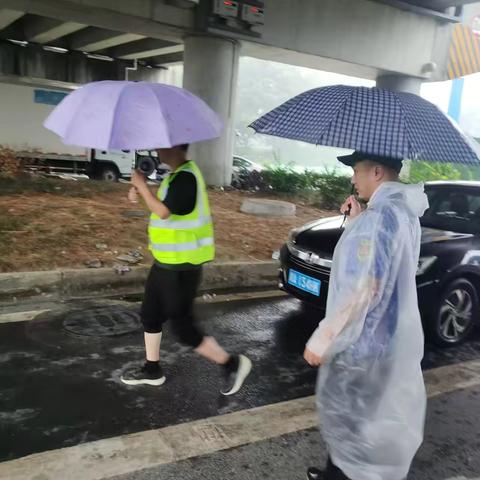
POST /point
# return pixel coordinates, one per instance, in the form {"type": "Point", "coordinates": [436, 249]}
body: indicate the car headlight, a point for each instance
{"type": "Point", "coordinates": [424, 263]}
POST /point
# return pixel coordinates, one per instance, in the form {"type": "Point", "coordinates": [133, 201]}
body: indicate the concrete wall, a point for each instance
{"type": "Point", "coordinates": [356, 37]}
{"type": "Point", "coordinates": [73, 67]}
{"type": "Point", "coordinates": [151, 18]}
{"type": "Point", "coordinates": [169, 76]}
{"type": "Point", "coordinates": [360, 33]}
{"type": "Point", "coordinates": [470, 12]}
{"type": "Point", "coordinates": [21, 122]}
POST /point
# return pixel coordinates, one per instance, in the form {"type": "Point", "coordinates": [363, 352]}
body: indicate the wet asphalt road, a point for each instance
{"type": "Point", "coordinates": [60, 381]}
{"type": "Point", "coordinates": [450, 451]}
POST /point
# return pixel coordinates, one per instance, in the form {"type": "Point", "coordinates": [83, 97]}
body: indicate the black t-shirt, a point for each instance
{"type": "Point", "coordinates": [182, 194]}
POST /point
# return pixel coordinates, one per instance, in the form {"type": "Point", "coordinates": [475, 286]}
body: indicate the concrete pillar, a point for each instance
{"type": "Point", "coordinates": [400, 83]}
{"type": "Point", "coordinates": [211, 71]}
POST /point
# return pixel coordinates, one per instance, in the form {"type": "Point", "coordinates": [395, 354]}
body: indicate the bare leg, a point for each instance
{"type": "Point", "coordinates": [152, 346]}
{"type": "Point", "coordinates": [211, 350]}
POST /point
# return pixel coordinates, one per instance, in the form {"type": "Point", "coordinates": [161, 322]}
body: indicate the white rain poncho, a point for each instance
{"type": "Point", "coordinates": [370, 392]}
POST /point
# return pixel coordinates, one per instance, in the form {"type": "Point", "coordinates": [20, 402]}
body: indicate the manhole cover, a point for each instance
{"type": "Point", "coordinates": [104, 321]}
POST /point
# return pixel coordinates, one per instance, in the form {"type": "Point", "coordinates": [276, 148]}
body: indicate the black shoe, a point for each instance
{"type": "Point", "coordinates": [314, 474]}
{"type": "Point", "coordinates": [234, 378]}
{"type": "Point", "coordinates": [141, 376]}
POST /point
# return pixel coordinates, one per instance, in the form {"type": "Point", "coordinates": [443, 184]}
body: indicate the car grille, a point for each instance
{"type": "Point", "coordinates": [308, 265]}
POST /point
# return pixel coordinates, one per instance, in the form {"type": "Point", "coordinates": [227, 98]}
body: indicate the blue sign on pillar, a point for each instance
{"type": "Point", "coordinates": [49, 97]}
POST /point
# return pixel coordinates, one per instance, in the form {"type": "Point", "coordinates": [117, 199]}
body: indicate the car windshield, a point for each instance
{"type": "Point", "coordinates": [455, 209]}
{"type": "Point", "coordinates": [240, 162]}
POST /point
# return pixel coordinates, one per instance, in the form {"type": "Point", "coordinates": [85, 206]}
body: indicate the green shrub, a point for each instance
{"type": "Point", "coordinates": [334, 188]}
{"type": "Point", "coordinates": [328, 189]}
{"type": "Point", "coordinates": [430, 171]}
{"type": "Point", "coordinates": [284, 179]}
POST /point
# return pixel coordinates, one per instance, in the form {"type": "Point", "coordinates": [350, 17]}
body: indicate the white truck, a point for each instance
{"type": "Point", "coordinates": [24, 109]}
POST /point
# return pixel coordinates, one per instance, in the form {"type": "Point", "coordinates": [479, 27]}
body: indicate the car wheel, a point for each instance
{"type": "Point", "coordinates": [109, 174]}
{"type": "Point", "coordinates": [456, 314]}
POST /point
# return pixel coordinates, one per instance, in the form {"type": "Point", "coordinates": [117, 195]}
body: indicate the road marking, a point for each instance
{"type": "Point", "coordinates": [129, 453]}
{"type": "Point", "coordinates": [20, 316]}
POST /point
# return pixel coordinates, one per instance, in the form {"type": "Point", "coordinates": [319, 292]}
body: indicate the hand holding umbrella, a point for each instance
{"type": "Point", "coordinates": [139, 182]}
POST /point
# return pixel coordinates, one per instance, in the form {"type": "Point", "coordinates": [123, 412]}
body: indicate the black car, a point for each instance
{"type": "Point", "coordinates": [448, 275]}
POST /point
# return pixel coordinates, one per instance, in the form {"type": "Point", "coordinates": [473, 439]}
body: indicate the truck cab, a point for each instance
{"type": "Point", "coordinates": [111, 165]}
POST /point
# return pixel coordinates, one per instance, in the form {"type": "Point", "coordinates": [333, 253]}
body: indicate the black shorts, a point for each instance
{"type": "Point", "coordinates": [170, 295]}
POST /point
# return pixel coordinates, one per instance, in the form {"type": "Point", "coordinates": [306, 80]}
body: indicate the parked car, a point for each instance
{"type": "Point", "coordinates": [246, 174]}
{"type": "Point", "coordinates": [242, 163]}
{"type": "Point", "coordinates": [448, 275]}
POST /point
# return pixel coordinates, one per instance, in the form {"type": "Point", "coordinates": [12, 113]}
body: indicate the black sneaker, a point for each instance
{"type": "Point", "coordinates": [234, 378]}
{"type": "Point", "coordinates": [141, 376]}
{"type": "Point", "coordinates": [314, 474]}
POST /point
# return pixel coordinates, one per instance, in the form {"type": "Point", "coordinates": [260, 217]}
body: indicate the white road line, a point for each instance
{"type": "Point", "coordinates": [129, 453]}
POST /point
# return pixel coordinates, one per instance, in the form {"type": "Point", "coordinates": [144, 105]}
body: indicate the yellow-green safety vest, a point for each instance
{"type": "Point", "coordinates": [183, 238]}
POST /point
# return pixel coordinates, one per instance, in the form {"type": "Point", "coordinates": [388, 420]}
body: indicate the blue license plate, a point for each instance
{"type": "Point", "coordinates": [304, 282]}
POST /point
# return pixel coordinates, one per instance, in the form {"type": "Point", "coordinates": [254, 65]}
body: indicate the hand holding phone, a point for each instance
{"type": "Point", "coordinates": [351, 207]}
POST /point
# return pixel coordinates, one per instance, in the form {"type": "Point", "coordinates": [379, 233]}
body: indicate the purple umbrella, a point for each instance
{"type": "Point", "coordinates": [121, 115]}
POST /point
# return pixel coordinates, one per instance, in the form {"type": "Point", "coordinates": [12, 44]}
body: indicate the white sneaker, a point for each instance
{"type": "Point", "coordinates": [234, 379]}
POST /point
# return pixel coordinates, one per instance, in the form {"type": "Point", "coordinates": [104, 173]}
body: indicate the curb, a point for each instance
{"type": "Point", "coordinates": [25, 314]}
{"type": "Point", "coordinates": [68, 284]}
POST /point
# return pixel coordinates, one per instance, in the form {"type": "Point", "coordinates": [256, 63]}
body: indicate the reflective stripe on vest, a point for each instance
{"type": "Point", "coordinates": [183, 238]}
{"type": "Point", "coordinates": [182, 247]}
{"type": "Point", "coordinates": [181, 224]}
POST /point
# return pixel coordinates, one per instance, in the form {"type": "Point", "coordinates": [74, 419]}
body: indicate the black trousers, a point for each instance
{"type": "Point", "coordinates": [170, 295]}
{"type": "Point", "coordinates": [333, 472]}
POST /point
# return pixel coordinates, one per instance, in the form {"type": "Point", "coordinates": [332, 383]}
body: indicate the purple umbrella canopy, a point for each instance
{"type": "Point", "coordinates": [123, 115]}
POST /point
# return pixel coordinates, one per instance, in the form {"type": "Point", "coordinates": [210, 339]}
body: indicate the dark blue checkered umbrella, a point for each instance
{"type": "Point", "coordinates": [371, 120]}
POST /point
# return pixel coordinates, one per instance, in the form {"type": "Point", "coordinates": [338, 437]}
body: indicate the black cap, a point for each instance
{"type": "Point", "coordinates": [352, 159]}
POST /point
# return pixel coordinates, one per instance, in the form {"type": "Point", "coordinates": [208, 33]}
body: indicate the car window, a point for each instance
{"type": "Point", "coordinates": [240, 162]}
{"type": "Point", "coordinates": [453, 209]}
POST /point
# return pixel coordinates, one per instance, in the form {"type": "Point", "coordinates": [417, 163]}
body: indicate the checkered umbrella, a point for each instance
{"type": "Point", "coordinates": [371, 120]}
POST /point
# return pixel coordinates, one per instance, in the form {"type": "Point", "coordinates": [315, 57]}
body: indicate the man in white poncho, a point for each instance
{"type": "Point", "coordinates": [370, 391]}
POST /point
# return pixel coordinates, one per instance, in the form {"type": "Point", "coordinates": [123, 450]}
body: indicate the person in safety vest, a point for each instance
{"type": "Point", "coordinates": [181, 240]}
{"type": "Point", "coordinates": [370, 392]}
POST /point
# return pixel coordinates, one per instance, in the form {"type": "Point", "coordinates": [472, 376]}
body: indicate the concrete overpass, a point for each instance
{"type": "Point", "coordinates": [399, 43]}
